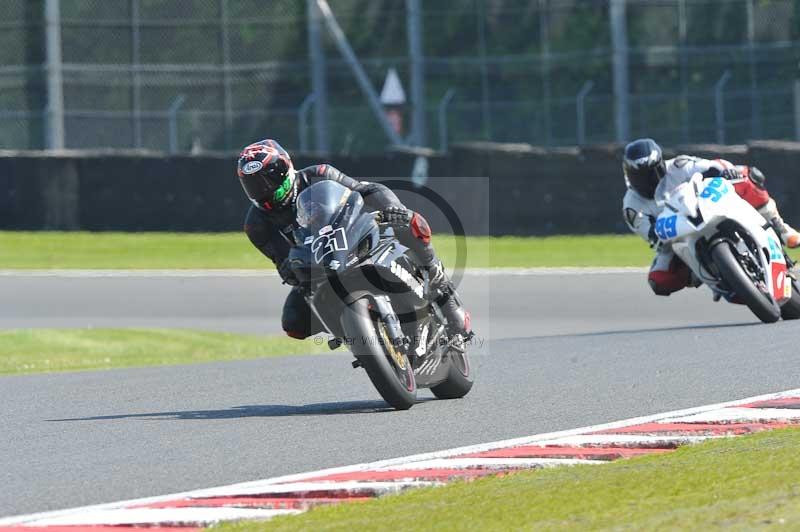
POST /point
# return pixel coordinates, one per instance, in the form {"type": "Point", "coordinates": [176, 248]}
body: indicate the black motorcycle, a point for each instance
{"type": "Point", "coordinates": [369, 292]}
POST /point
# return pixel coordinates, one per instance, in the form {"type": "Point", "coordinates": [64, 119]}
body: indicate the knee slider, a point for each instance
{"type": "Point", "coordinates": [664, 283]}
{"type": "Point", "coordinates": [298, 335]}
{"type": "Point", "coordinates": [658, 289]}
{"type": "Point", "coordinates": [294, 323]}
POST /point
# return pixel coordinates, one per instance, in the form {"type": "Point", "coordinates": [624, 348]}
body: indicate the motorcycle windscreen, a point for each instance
{"type": "Point", "coordinates": [326, 210]}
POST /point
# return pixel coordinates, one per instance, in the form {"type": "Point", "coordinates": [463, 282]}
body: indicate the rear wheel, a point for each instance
{"type": "Point", "coordinates": [387, 367]}
{"type": "Point", "coordinates": [791, 309]}
{"type": "Point", "coordinates": [459, 376]}
{"type": "Point", "coordinates": [733, 273]}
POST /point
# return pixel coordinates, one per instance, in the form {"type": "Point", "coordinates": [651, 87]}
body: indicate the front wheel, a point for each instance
{"type": "Point", "coordinates": [387, 367]}
{"type": "Point", "coordinates": [732, 272]}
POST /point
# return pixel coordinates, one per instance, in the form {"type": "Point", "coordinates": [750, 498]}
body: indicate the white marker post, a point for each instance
{"type": "Point", "coordinates": [393, 99]}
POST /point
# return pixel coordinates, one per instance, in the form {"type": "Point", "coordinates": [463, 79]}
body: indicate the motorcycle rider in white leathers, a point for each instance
{"type": "Point", "coordinates": [649, 177]}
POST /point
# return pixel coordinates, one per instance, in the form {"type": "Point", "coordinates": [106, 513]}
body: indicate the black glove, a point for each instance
{"type": "Point", "coordinates": [395, 216]}
{"type": "Point", "coordinates": [287, 274]}
{"type": "Point", "coordinates": [731, 174]}
{"type": "Point", "coordinates": [652, 237]}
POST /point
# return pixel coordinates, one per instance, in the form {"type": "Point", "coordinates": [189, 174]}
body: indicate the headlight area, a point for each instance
{"type": "Point", "coordinates": [362, 252]}
{"type": "Point", "coordinates": [364, 247]}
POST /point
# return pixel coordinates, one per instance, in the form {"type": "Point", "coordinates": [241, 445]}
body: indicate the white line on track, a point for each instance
{"type": "Point", "coordinates": [91, 274]}
{"type": "Point", "coordinates": [476, 272]}
{"type": "Point", "coordinates": [486, 463]}
{"type": "Point", "coordinates": [132, 517]}
{"type": "Point", "coordinates": [638, 441]}
{"type": "Point", "coordinates": [576, 270]}
{"type": "Point", "coordinates": [739, 415]}
{"type": "Point", "coordinates": [267, 487]}
{"type": "Point", "coordinates": [304, 481]}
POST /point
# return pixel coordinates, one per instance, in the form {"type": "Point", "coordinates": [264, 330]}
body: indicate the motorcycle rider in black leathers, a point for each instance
{"type": "Point", "coordinates": [272, 184]}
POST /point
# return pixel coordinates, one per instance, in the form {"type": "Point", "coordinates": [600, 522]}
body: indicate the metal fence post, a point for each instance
{"type": "Point", "coordinates": [544, 36]}
{"type": "Point", "coordinates": [442, 113]}
{"type": "Point", "coordinates": [136, 76]}
{"type": "Point", "coordinates": [619, 44]}
{"type": "Point", "coordinates": [319, 81]}
{"type": "Point", "coordinates": [55, 78]}
{"type": "Point", "coordinates": [755, 104]}
{"type": "Point", "coordinates": [684, 68]}
{"type": "Point", "coordinates": [719, 105]}
{"type": "Point", "coordinates": [225, 48]}
{"type": "Point", "coordinates": [580, 111]}
{"type": "Point", "coordinates": [797, 109]}
{"type": "Point", "coordinates": [417, 60]}
{"type": "Point", "coordinates": [173, 122]}
{"type": "Point", "coordinates": [485, 96]}
{"type": "Point", "coordinates": [302, 121]}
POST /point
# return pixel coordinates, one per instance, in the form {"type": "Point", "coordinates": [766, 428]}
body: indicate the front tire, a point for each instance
{"type": "Point", "coordinates": [459, 377]}
{"type": "Point", "coordinates": [394, 380]}
{"type": "Point", "coordinates": [734, 275]}
{"type": "Point", "coordinates": [791, 309]}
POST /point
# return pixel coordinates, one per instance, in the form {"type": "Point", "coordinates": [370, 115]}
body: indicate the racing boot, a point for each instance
{"type": "Point", "coordinates": [789, 236]}
{"type": "Point", "coordinates": [444, 295]}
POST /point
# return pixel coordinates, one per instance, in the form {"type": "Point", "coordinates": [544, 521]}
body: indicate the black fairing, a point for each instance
{"type": "Point", "coordinates": [343, 256]}
{"type": "Point", "coordinates": [333, 224]}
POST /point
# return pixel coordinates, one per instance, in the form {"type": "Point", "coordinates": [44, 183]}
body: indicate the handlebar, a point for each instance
{"type": "Point", "coordinates": [378, 215]}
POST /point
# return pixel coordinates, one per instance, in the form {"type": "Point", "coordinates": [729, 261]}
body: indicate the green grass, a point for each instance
{"type": "Point", "coordinates": [740, 484]}
{"type": "Point", "coordinates": [38, 250]}
{"type": "Point", "coordinates": [49, 350]}
{"type": "Point", "coordinates": [77, 250]}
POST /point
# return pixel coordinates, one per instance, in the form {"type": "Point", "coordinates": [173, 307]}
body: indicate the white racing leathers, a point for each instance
{"type": "Point", "coordinates": [668, 273]}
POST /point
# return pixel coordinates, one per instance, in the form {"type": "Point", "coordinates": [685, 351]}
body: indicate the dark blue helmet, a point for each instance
{"type": "Point", "coordinates": [643, 165]}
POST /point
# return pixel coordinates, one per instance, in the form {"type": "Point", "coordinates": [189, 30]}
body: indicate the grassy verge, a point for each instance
{"type": "Point", "coordinates": [45, 250]}
{"type": "Point", "coordinates": [741, 483]}
{"type": "Point", "coordinates": [36, 250]}
{"type": "Point", "coordinates": [49, 350]}
{"type": "Point", "coordinates": [82, 250]}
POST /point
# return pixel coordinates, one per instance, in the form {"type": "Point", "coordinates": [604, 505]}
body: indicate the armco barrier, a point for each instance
{"type": "Point", "coordinates": [529, 190]}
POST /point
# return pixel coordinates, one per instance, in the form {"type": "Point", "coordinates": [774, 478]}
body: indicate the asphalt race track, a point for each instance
{"type": "Point", "coordinates": [560, 351]}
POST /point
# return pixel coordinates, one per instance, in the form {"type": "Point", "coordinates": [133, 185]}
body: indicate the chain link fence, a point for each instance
{"type": "Point", "coordinates": [217, 74]}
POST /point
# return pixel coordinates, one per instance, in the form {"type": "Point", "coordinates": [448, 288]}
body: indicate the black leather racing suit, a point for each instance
{"type": "Point", "coordinates": [272, 233]}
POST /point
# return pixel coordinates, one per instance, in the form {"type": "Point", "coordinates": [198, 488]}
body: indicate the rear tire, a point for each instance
{"type": "Point", "coordinates": [791, 309]}
{"type": "Point", "coordinates": [459, 378]}
{"type": "Point", "coordinates": [732, 273]}
{"type": "Point", "coordinates": [396, 385]}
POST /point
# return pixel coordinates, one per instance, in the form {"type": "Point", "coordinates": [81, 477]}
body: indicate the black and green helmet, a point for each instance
{"type": "Point", "coordinates": [267, 175]}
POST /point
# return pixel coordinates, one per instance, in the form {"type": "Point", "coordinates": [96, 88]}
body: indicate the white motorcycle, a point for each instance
{"type": "Point", "coordinates": [729, 247]}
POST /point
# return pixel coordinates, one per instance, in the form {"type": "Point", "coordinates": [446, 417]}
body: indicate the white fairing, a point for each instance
{"type": "Point", "coordinates": [695, 209]}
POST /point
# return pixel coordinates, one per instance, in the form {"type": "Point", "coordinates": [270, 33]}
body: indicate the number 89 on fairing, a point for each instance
{"type": "Point", "coordinates": [666, 227]}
